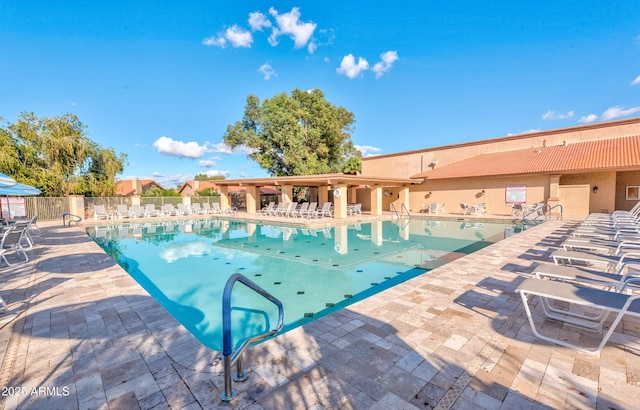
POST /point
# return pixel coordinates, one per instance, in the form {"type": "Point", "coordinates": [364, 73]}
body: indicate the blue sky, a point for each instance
{"type": "Point", "coordinates": [161, 80]}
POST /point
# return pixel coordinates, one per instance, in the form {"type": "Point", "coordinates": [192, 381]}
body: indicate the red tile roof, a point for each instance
{"type": "Point", "coordinates": [601, 155]}
{"type": "Point", "coordinates": [126, 186]}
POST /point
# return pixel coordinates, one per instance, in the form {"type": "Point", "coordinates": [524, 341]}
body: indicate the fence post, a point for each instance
{"type": "Point", "coordinates": [76, 205]}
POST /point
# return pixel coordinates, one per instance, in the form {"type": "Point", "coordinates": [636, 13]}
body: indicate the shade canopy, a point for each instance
{"type": "Point", "coordinates": [19, 190]}
{"type": "Point", "coordinates": [6, 180]}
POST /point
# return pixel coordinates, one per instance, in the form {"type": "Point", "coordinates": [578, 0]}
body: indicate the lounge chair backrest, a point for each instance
{"type": "Point", "coordinates": [99, 209]}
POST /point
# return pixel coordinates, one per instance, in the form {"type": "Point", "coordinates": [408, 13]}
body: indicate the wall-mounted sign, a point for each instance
{"type": "Point", "coordinates": [515, 194]}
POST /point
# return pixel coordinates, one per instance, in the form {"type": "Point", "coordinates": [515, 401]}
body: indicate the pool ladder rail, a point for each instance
{"type": "Point", "coordinates": [229, 356]}
{"type": "Point", "coordinates": [401, 214]}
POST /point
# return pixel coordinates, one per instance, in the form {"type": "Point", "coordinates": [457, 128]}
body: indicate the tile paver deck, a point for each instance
{"type": "Point", "coordinates": [81, 333]}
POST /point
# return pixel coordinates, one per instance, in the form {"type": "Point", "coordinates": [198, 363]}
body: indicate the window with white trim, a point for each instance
{"type": "Point", "coordinates": [633, 193]}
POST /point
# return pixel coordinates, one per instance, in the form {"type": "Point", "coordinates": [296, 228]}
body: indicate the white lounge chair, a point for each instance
{"type": "Point", "coordinates": [123, 211]}
{"type": "Point", "coordinates": [215, 207]}
{"type": "Point", "coordinates": [99, 212]}
{"type": "Point", "coordinates": [150, 210]}
{"type": "Point", "coordinates": [606, 302]}
{"type": "Point", "coordinates": [324, 211]}
{"type": "Point", "coordinates": [266, 209]}
{"type": "Point", "coordinates": [137, 211]}
{"type": "Point", "coordinates": [197, 209]}
{"type": "Point", "coordinates": [606, 262]}
{"type": "Point", "coordinates": [169, 210]}
{"type": "Point", "coordinates": [275, 211]}
{"type": "Point", "coordinates": [300, 212]}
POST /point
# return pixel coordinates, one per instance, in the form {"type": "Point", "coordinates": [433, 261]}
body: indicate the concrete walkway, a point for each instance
{"type": "Point", "coordinates": [81, 334]}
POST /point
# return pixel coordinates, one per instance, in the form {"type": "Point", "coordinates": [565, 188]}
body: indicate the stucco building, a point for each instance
{"type": "Point", "coordinates": [590, 168]}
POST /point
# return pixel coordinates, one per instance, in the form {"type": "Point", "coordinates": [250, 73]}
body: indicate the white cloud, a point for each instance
{"type": "Point", "coordinates": [636, 81]}
{"type": "Point", "coordinates": [217, 41]}
{"type": "Point", "coordinates": [289, 24]}
{"type": "Point", "coordinates": [168, 146]}
{"type": "Point", "coordinates": [207, 163]}
{"type": "Point", "coordinates": [267, 71]}
{"type": "Point", "coordinates": [617, 112]}
{"type": "Point", "coordinates": [349, 67]}
{"type": "Point", "coordinates": [258, 21]}
{"type": "Point", "coordinates": [552, 115]}
{"type": "Point", "coordinates": [238, 37]}
{"type": "Point", "coordinates": [587, 118]}
{"type": "Point", "coordinates": [222, 148]}
{"type": "Point", "coordinates": [382, 67]}
{"type": "Point", "coordinates": [157, 174]}
{"type": "Point", "coordinates": [216, 172]}
{"type": "Point", "coordinates": [367, 150]}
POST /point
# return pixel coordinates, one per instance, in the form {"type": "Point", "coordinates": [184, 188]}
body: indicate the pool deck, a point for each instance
{"type": "Point", "coordinates": [81, 334]}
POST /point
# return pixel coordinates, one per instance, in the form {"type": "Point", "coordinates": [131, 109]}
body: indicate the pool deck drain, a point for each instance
{"type": "Point", "coordinates": [81, 333]}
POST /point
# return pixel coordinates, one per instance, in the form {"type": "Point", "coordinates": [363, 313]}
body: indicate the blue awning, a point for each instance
{"type": "Point", "coordinates": [6, 180]}
{"type": "Point", "coordinates": [19, 190]}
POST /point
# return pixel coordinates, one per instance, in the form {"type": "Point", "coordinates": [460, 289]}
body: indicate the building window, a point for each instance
{"type": "Point", "coordinates": [633, 193]}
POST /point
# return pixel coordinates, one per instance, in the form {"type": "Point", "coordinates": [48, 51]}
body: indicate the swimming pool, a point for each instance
{"type": "Point", "coordinates": [184, 265]}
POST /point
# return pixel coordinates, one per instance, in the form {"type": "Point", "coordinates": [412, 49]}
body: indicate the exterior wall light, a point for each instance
{"type": "Point", "coordinates": [595, 189]}
{"type": "Point", "coordinates": [483, 192]}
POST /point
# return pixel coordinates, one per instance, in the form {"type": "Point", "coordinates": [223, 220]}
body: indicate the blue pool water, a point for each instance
{"type": "Point", "coordinates": [184, 265]}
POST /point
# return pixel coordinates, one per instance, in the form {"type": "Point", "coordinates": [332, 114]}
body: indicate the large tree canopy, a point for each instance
{"type": "Point", "coordinates": [297, 134]}
{"type": "Point", "coordinates": [56, 156]}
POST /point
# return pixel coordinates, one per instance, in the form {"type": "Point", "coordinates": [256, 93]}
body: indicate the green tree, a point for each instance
{"type": "Point", "coordinates": [56, 155]}
{"type": "Point", "coordinates": [155, 191]}
{"type": "Point", "coordinates": [205, 177]}
{"type": "Point", "coordinates": [297, 134]}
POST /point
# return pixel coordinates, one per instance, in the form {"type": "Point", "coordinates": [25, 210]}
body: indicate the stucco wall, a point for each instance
{"type": "Point", "coordinates": [408, 163]}
{"type": "Point", "coordinates": [601, 201]}
{"type": "Point", "coordinates": [574, 200]}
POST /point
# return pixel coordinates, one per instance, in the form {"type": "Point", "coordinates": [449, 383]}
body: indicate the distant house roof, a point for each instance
{"type": "Point", "coordinates": [130, 187]}
{"type": "Point", "coordinates": [191, 187]}
{"type": "Point", "coordinates": [591, 156]}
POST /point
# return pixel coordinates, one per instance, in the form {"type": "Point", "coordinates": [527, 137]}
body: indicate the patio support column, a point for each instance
{"type": "Point", "coordinates": [287, 193]}
{"type": "Point", "coordinates": [376, 200]}
{"type": "Point", "coordinates": [554, 190]}
{"type": "Point", "coordinates": [404, 197]}
{"type": "Point", "coordinates": [323, 195]}
{"type": "Point", "coordinates": [353, 195]}
{"type": "Point", "coordinates": [224, 197]}
{"type": "Point", "coordinates": [253, 197]}
{"type": "Point", "coordinates": [340, 202]}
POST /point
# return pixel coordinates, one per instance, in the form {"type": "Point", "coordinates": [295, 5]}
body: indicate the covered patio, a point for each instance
{"type": "Point", "coordinates": [344, 190]}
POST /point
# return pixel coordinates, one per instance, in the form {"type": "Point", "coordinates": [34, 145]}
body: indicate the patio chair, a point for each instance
{"type": "Point", "coordinates": [606, 262]}
{"type": "Point", "coordinates": [137, 211]}
{"type": "Point", "coordinates": [266, 209]}
{"type": "Point", "coordinates": [12, 241]}
{"type": "Point", "coordinates": [433, 208]}
{"type": "Point", "coordinates": [479, 209]}
{"type": "Point", "coordinates": [182, 210]}
{"type": "Point", "coordinates": [215, 207]}
{"type": "Point", "coordinates": [99, 212]}
{"type": "Point", "coordinates": [169, 210]}
{"type": "Point", "coordinates": [604, 301]}
{"type": "Point", "coordinates": [310, 210]}
{"type": "Point", "coordinates": [197, 209]}
{"type": "Point", "coordinates": [300, 211]}
{"type": "Point", "coordinates": [150, 210]}
{"type": "Point", "coordinates": [517, 210]}
{"type": "Point", "coordinates": [122, 211]}
{"type": "Point", "coordinates": [324, 211]}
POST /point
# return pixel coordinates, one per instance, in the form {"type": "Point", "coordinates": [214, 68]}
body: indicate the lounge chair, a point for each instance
{"type": "Point", "coordinates": [182, 209]}
{"type": "Point", "coordinates": [169, 210]}
{"type": "Point", "coordinates": [266, 209]}
{"type": "Point", "coordinates": [206, 208]}
{"type": "Point", "coordinates": [300, 212]}
{"type": "Point", "coordinates": [479, 209]}
{"type": "Point", "coordinates": [150, 210]}
{"type": "Point", "coordinates": [606, 302]}
{"type": "Point", "coordinates": [216, 208]}
{"type": "Point", "coordinates": [122, 211]}
{"type": "Point", "coordinates": [324, 211]}
{"type": "Point", "coordinates": [99, 212]}
{"type": "Point", "coordinates": [310, 210]}
{"type": "Point", "coordinates": [613, 280]}
{"type": "Point", "coordinates": [275, 211]}
{"type": "Point", "coordinates": [281, 211]}
{"type": "Point", "coordinates": [137, 211]}
{"type": "Point", "coordinates": [606, 262]}
{"type": "Point", "coordinates": [466, 209]}
{"type": "Point", "coordinates": [197, 209]}
{"type": "Point", "coordinates": [12, 241]}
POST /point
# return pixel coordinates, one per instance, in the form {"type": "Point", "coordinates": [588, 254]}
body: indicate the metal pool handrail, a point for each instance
{"type": "Point", "coordinates": [230, 357]}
